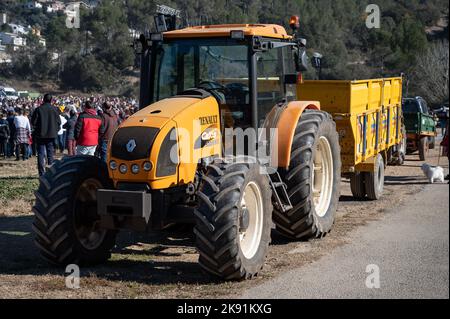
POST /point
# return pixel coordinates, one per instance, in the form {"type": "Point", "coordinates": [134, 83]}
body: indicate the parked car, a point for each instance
{"type": "Point", "coordinates": [420, 126]}
{"type": "Point", "coordinates": [9, 93]}
{"type": "Point", "coordinates": [23, 93]}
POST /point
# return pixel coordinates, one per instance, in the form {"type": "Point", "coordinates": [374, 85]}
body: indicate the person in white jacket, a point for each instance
{"type": "Point", "coordinates": [23, 134]}
{"type": "Point", "coordinates": [62, 134]}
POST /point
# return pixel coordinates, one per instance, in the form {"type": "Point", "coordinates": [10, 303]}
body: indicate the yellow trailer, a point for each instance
{"type": "Point", "coordinates": [368, 116]}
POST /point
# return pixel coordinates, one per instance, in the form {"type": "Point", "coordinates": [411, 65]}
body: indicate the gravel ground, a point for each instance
{"type": "Point", "coordinates": [164, 265]}
{"type": "Point", "coordinates": [408, 248]}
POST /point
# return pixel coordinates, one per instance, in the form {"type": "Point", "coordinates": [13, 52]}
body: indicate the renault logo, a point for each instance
{"type": "Point", "coordinates": [131, 145]}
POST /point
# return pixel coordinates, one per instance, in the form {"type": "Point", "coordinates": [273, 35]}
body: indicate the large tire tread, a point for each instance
{"type": "Point", "coordinates": [357, 185]}
{"type": "Point", "coordinates": [217, 226]}
{"type": "Point", "coordinates": [54, 233]}
{"type": "Point", "coordinates": [301, 223]}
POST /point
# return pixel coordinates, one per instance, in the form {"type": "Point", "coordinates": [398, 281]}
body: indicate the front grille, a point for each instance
{"type": "Point", "coordinates": [143, 141]}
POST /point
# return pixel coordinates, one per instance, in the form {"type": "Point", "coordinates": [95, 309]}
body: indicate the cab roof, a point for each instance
{"type": "Point", "coordinates": [223, 30]}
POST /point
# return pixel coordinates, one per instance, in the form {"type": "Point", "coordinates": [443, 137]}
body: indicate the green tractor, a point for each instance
{"type": "Point", "coordinates": [420, 127]}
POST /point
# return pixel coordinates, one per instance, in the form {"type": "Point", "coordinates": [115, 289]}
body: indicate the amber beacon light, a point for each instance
{"type": "Point", "coordinates": [294, 23]}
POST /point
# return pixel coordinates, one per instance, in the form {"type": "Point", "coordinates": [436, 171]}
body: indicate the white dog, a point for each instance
{"type": "Point", "coordinates": [433, 173]}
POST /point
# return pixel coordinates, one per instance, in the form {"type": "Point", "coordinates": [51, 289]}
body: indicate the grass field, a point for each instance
{"type": "Point", "coordinates": [18, 181]}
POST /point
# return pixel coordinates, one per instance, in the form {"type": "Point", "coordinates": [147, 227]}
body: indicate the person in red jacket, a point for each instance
{"type": "Point", "coordinates": [87, 130]}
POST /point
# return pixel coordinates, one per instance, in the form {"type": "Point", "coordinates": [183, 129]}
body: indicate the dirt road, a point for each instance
{"type": "Point", "coordinates": [407, 251]}
{"type": "Point", "coordinates": [164, 265]}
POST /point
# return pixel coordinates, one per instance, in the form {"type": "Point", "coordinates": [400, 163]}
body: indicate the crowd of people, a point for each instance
{"type": "Point", "coordinates": [68, 124]}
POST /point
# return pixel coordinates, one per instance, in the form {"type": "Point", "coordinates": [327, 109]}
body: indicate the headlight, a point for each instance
{"type": "Point", "coordinates": [168, 156]}
{"type": "Point", "coordinates": [135, 168]}
{"type": "Point", "coordinates": [113, 165]}
{"type": "Point", "coordinates": [123, 168]}
{"type": "Point", "coordinates": [147, 166]}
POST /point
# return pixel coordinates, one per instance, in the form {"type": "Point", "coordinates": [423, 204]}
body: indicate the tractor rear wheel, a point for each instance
{"type": "Point", "coordinates": [312, 179]}
{"type": "Point", "coordinates": [233, 219]}
{"type": "Point", "coordinates": [423, 148]}
{"type": "Point", "coordinates": [66, 225]}
{"type": "Point", "coordinates": [374, 181]}
{"type": "Point", "coordinates": [357, 185]}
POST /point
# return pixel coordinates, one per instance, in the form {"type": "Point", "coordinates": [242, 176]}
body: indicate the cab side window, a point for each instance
{"type": "Point", "coordinates": [289, 68]}
{"type": "Point", "coordinates": [423, 106]}
{"type": "Point", "coordinates": [270, 81]}
{"type": "Point", "coordinates": [272, 65]}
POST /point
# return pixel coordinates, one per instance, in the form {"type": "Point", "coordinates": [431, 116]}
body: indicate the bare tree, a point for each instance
{"type": "Point", "coordinates": [431, 73]}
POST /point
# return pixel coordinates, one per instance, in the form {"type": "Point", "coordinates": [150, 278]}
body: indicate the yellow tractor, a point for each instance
{"type": "Point", "coordinates": [221, 142]}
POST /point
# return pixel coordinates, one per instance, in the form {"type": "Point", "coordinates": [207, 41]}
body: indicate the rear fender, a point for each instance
{"type": "Point", "coordinates": [286, 129]}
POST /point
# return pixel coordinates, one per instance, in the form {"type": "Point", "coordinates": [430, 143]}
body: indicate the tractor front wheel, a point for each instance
{"type": "Point", "coordinates": [66, 225]}
{"type": "Point", "coordinates": [233, 219]}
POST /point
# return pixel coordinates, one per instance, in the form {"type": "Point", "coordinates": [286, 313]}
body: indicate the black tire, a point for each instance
{"type": "Point", "coordinates": [60, 211]}
{"type": "Point", "coordinates": [401, 160]}
{"type": "Point", "coordinates": [218, 220]}
{"type": "Point", "coordinates": [357, 185]}
{"type": "Point", "coordinates": [374, 181]}
{"type": "Point", "coordinates": [402, 149]}
{"type": "Point", "coordinates": [302, 222]}
{"type": "Point", "coordinates": [431, 142]}
{"type": "Point", "coordinates": [423, 148]}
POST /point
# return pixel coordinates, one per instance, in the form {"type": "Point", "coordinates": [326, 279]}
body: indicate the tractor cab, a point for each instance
{"type": "Point", "coordinates": [248, 68]}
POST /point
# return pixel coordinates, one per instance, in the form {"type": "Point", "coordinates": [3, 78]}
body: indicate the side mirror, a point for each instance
{"type": "Point", "coordinates": [140, 45]}
{"type": "Point", "coordinates": [160, 23]}
{"type": "Point", "coordinates": [302, 42]}
{"type": "Point", "coordinates": [301, 61]}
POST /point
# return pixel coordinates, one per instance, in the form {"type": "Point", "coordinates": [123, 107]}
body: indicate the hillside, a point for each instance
{"type": "Point", "coordinates": [95, 56]}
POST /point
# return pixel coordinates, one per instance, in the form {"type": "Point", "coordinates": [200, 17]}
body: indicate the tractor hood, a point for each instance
{"type": "Point", "coordinates": [158, 114]}
{"type": "Point", "coordinates": [146, 138]}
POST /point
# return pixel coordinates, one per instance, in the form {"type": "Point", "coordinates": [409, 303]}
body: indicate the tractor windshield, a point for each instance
{"type": "Point", "coordinates": [219, 66]}
{"type": "Point", "coordinates": [411, 106]}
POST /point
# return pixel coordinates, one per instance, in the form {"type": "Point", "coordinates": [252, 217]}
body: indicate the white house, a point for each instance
{"type": "Point", "coordinates": [3, 18]}
{"type": "Point", "coordinates": [19, 29]}
{"type": "Point", "coordinates": [80, 4]}
{"type": "Point", "coordinates": [4, 57]}
{"type": "Point", "coordinates": [33, 5]}
{"type": "Point", "coordinates": [56, 6]}
{"type": "Point", "coordinates": [13, 40]}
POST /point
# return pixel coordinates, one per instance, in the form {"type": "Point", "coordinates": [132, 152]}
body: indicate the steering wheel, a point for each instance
{"type": "Point", "coordinates": [212, 87]}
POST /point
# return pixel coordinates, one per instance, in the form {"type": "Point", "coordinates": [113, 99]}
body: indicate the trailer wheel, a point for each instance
{"type": "Point", "coordinates": [66, 225]}
{"type": "Point", "coordinates": [312, 179]}
{"type": "Point", "coordinates": [402, 149]}
{"type": "Point", "coordinates": [423, 148]}
{"type": "Point", "coordinates": [374, 181]}
{"type": "Point", "coordinates": [431, 142]}
{"type": "Point", "coordinates": [357, 185]}
{"type": "Point", "coordinates": [233, 219]}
